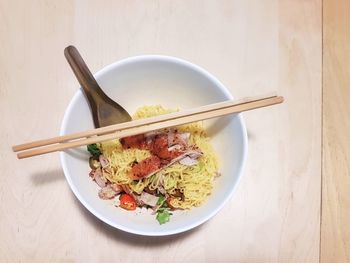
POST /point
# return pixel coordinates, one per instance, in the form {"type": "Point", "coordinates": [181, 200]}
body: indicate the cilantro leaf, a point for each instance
{"type": "Point", "coordinates": [163, 215]}
{"type": "Point", "coordinates": [93, 149]}
{"type": "Point", "coordinates": [161, 200]}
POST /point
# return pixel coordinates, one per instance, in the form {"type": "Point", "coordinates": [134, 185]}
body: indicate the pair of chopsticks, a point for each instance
{"type": "Point", "coordinates": [142, 126]}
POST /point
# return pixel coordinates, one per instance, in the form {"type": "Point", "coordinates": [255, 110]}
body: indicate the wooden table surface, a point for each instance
{"type": "Point", "coordinates": [293, 202]}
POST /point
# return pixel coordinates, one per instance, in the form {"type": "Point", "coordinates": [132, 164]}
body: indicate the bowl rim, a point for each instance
{"type": "Point", "coordinates": [182, 62]}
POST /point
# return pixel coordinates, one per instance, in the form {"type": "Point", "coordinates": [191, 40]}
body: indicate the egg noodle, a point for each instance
{"type": "Point", "coordinates": [194, 182]}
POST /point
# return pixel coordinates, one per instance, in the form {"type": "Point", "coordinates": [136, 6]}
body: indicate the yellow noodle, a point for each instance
{"type": "Point", "coordinates": [195, 182]}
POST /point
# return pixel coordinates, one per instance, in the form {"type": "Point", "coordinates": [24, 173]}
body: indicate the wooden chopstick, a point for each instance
{"type": "Point", "coordinates": [145, 125]}
{"type": "Point", "coordinates": [136, 123]}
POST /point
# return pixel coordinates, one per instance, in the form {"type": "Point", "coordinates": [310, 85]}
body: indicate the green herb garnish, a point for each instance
{"type": "Point", "coordinates": [161, 200]}
{"type": "Point", "coordinates": [163, 215]}
{"type": "Point", "coordinates": [93, 149]}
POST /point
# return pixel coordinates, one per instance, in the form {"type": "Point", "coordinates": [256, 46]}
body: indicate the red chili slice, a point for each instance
{"type": "Point", "coordinates": [127, 202]}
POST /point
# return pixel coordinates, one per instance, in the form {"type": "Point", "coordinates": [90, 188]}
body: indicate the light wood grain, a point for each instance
{"type": "Point", "coordinates": [335, 245]}
{"type": "Point", "coordinates": [251, 46]}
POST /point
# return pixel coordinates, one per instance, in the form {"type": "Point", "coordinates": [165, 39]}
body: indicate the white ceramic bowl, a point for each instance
{"type": "Point", "coordinates": [173, 83]}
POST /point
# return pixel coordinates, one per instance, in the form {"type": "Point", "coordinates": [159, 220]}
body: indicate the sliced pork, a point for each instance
{"type": "Point", "coordinates": [167, 148]}
{"type": "Point", "coordinates": [107, 192]}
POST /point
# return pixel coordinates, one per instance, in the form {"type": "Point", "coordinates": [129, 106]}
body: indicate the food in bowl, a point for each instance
{"type": "Point", "coordinates": [163, 170]}
{"type": "Point", "coordinates": [173, 83]}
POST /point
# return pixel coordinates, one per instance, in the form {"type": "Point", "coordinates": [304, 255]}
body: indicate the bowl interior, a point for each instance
{"type": "Point", "coordinates": [172, 83]}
